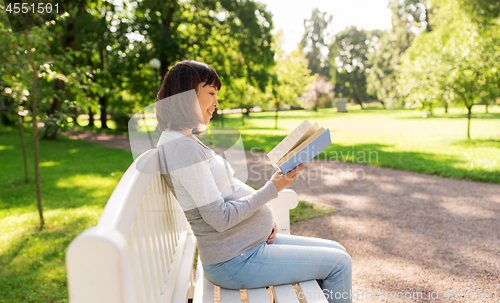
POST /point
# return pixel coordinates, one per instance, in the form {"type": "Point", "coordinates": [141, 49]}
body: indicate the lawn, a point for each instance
{"type": "Point", "coordinates": [77, 179]}
{"type": "Point", "coordinates": [400, 139]}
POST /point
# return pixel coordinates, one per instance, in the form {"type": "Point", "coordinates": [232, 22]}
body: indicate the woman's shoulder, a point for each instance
{"type": "Point", "coordinates": [179, 149]}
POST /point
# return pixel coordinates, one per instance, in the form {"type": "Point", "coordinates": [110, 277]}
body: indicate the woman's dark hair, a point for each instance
{"type": "Point", "coordinates": [183, 76]}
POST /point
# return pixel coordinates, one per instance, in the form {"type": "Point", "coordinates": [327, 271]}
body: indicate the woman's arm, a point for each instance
{"type": "Point", "coordinates": [191, 169]}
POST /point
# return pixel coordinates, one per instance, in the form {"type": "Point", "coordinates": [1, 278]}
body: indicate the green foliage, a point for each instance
{"type": "Point", "coordinates": [348, 59]}
{"type": "Point", "coordinates": [233, 37]}
{"type": "Point", "coordinates": [315, 42]}
{"type": "Point", "coordinates": [408, 18]}
{"type": "Point", "coordinates": [291, 75]}
{"type": "Point", "coordinates": [483, 12]}
{"type": "Point", "coordinates": [456, 62]}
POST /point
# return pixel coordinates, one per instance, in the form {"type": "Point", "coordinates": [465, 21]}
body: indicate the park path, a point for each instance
{"type": "Point", "coordinates": [408, 234]}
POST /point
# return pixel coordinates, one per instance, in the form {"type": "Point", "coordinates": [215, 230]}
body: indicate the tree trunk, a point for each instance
{"type": "Point", "coordinates": [23, 143]}
{"type": "Point", "coordinates": [35, 131]}
{"type": "Point", "coordinates": [276, 117]}
{"type": "Point", "coordinates": [469, 113]}
{"type": "Point", "coordinates": [486, 108]}
{"type": "Point", "coordinates": [103, 101]}
{"type": "Point", "coordinates": [430, 108]}
{"type": "Point", "coordinates": [446, 107]}
{"type": "Point", "coordinates": [74, 113]}
{"type": "Point", "coordinates": [56, 107]}
{"type": "Point", "coordinates": [91, 118]}
{"type": "Point", "coordinates": [222, 119]}
{"type": "Point", "coordinates": [360, 103]}
{"type": "Point", "coordinates": [242, 119]}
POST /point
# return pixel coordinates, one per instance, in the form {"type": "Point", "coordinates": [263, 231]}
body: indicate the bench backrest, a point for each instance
{"type": "Point", "coordinates": [134, 252]}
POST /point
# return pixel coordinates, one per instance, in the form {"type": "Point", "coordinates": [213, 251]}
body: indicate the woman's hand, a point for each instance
{"type": "Point", "coordinates": [270, 239]}
{"type": "Point", "coordinates": [283, 181]}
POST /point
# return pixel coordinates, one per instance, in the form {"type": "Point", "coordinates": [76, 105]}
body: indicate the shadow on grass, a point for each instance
{"type": "Point", "coordinates": [478, 143]}
{"type": "Point", "coordinates": [454, 116]}
{"type": "Point", "coordinates": [443, 165]}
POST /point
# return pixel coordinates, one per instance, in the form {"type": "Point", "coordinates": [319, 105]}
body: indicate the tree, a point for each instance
{"type": "Point", "coordinates": [233, 37]}
{"type": "Point", "coordinates": [483, 12]}
{"type": "Point", "coordinates": [314, 42]}
{"type": "Point", "coordinates": [242, 95]}
{"type": "Point", "coordinates": [348, 57]}
{"type": "Point", "coordinates": [456, 60]}
{"type": "Point", "coordinates": [319, 94]}
{"type": "Point", "coordinates": [291, 76]}
{"type": "Point", "coordinates": [409, 17]}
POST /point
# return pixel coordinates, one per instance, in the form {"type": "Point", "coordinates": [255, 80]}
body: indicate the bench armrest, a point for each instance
{"type": "Point", "coordinates": [287, 199]}
{"type": "Point", "coordinates": [98, 269]}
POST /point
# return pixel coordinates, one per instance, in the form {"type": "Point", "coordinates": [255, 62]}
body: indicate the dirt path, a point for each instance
{"type": "Point", "coordinates": [410, 235]}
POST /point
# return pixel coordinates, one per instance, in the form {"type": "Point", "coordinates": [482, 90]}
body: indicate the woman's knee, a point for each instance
{"type": "Point", "coordinates": [344, 262]}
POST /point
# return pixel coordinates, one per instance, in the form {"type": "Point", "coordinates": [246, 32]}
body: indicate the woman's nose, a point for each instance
{"type": "Point", "coordinates": [216, 103]}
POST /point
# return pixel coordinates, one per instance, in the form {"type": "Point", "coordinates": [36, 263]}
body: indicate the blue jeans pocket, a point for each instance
{"type": "Point", "coordinates": [220, 276]}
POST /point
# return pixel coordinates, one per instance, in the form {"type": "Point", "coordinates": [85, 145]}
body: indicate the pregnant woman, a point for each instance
{"type": "Point", "coordinates": [236, 236]}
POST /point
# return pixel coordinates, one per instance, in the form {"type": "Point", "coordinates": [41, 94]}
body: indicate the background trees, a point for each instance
{"type": "Point", "coordinates": [348, 58]}
{"type": "Point", "coordinates": [457, 61]}
{"type": "Point", "coordinates": [409, 17]}
{"type": "Point", "coordinates": [315, 42]}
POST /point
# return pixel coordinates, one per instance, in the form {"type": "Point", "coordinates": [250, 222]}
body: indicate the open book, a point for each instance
{"type": "Point", "coordinates": [301, 145]}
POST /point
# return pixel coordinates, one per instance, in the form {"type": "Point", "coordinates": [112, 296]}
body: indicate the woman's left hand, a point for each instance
{"type": "Point", "coordinates": [270, 239]}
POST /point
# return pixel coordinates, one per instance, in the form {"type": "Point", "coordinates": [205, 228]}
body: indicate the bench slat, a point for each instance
{"type": "Point", "coordinates": [204, 290]}
{"type": "Point", "coordinates": [229, 296]}
{"type": "Point", "coordinates": [285, 294]}
{"type": "Point", "coordinates": [311, 292]}
{"type": "Point", "coordinates": [143, 259]}
{"type": "Point", "coordinates": [258, 295]}
{"type": "Point", "coordinates": [185, 271]}
{"type": "Point", "coordinates": [135, 264]}
{"type": "Point", "coordinates": [155, 211]}
{"type": "Point", "coordinates": [151, 263]}
{"type": "Point", "coordinates": [154, 242]}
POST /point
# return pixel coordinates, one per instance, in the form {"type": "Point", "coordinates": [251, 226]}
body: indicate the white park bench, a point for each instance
{"type": "Point", "coordinates": [143, 250]}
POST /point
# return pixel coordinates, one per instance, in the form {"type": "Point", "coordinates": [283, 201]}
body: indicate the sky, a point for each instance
{"type": "Point", "coordinates": [289, 16]}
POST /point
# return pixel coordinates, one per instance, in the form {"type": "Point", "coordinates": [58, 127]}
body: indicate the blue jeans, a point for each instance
{"type": "Point", "coordinates": [289, 259]}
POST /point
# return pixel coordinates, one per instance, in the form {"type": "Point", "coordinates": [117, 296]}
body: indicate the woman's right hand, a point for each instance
{"type": "Point", "coordinates": [283, 181]}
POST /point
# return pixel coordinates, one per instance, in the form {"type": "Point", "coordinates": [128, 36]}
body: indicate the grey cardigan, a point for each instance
{"type": "Point", "coordinates": [226, 215]}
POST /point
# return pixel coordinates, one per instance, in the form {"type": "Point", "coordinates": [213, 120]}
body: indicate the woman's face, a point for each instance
{"type": "Point", "coordinates": [207, 97]}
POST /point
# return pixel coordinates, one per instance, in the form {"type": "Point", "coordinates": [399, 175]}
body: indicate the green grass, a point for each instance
{"type": "Point", "coordinates": [77, 179]}
{"type": "Point", "coordinates": [307, 211]}
{"type": "Point", "coordinates": [400, 139]}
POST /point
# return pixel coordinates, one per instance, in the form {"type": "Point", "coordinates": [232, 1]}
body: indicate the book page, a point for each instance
{"type": "Point", "coordinates": [304, 137]}
{"type": "Point", "coordinates": [289, 142]}
{"type": "Point", "coordinates": [301, 146]}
